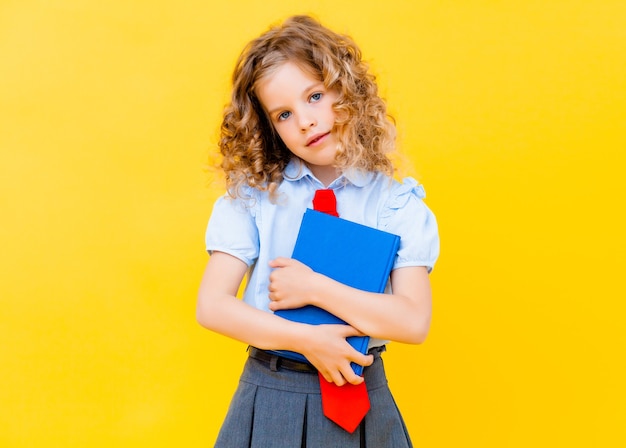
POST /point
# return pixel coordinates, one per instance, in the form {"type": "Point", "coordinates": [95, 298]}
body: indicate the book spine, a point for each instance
{"type": "Point", "coordinates": [389, 265]}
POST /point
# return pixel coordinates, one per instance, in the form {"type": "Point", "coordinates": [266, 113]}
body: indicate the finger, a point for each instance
{"type": "Point", "coordinates": [272, 282]}
{"type": "Point", "coordinates": [333, 376]}
{"type": "Point", "coordinates": [274, 299]}
{"type": "Point", "coordinates": [348, 331]}
{"type": "Point", "coordinates": [351, 377]}
{"type": "Point", "coordinates": [272, 291]}
{"type": "Point", "coordinates": [370, 361]}
{"type": "Point", "coordinates": [361, 359]}
{"type": "Point", "coordinates": [276, 305]}
{"type": "Point", "coordinates": [279, 262]}
{"type": "Point", "coordinates": [338, 378]}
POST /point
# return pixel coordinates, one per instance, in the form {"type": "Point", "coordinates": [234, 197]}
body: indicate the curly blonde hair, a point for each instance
{"type": "Point", "coordinates": [252, 152]}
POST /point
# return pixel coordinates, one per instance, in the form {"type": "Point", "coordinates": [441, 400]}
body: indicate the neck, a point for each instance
{"type": "Point", "coordinates": [325, 174]}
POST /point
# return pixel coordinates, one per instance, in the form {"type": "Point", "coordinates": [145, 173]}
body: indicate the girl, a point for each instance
{"type": "Point", "coordinates": [305, 115]}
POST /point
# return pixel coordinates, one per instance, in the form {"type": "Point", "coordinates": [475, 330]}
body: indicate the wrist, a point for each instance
{"type": "Point", "coordinates": [300, 337]}
{"type": "Point", "coordinates": [316, 291]}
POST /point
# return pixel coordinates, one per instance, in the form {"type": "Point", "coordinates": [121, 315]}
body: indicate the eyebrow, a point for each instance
{"type": "Point", "coordinates": [306, 90]}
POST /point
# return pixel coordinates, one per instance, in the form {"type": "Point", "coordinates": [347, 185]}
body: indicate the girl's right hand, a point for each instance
{"type": "Point", "coordinates": [328, 350]}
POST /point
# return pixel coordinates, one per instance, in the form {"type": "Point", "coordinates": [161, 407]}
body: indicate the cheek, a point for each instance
{"type": "Point", "coordinates": [284, 132]}
{"type": "Point", "coordinates": [280, 135]}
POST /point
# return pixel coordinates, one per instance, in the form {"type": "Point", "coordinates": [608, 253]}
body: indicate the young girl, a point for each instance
{"type": "Point", "coordinates": [305, 115]}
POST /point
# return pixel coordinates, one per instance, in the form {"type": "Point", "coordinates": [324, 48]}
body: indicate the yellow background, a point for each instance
{"type": "Point", "coordinates": [512, 113]}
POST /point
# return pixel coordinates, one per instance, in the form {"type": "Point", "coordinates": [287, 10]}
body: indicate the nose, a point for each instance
{"type": "Point", "coordinates": [307, 121]}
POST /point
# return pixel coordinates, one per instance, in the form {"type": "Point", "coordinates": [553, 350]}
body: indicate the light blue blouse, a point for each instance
{"type": "Point", "coordinates": [256, 230]}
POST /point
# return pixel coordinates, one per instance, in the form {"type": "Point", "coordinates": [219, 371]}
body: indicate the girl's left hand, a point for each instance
{"type": "Point", "coordinates": [291, 284]}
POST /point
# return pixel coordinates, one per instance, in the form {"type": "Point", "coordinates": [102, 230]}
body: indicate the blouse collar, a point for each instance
{"type": "Point", "coordinates": [296, 170]}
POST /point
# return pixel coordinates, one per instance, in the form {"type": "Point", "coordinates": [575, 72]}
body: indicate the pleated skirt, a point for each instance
{"type": "Point", "coordinates": [283, 409]}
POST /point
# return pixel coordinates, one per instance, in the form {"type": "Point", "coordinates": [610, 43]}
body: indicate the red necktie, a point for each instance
{"type": "Point", "coordinates": [345, 405]}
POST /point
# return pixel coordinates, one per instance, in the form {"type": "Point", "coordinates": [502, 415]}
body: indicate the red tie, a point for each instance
{"type": "Point", "coordinates": [345, 405]}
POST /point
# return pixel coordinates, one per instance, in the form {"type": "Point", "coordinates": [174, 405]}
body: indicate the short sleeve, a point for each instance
{"type": "Point", "coordinates": [232, 229]}
{"type": "Point", "coordinates": [405, 214]}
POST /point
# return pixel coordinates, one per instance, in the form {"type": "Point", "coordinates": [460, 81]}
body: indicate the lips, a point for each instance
{"type": "Point", "coordinates": [316, 138]}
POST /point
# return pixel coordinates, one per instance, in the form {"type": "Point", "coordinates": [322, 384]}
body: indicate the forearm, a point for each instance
{"type": "Point", "coordinates": [403, 316]}
{"type": "Point", "coordinates": [219, 310]}
{"type": "Point", "coordinates": [233, 318]}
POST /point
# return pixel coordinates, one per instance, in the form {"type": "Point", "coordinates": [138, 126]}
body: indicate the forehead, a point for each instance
{"type": "Point", "coordinates": [275, 60]}
{"type": "Point", "coordinates": [284, 81]}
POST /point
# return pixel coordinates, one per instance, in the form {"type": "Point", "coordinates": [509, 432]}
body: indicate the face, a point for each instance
{"type": "Point", "coordinates": [300, 109]}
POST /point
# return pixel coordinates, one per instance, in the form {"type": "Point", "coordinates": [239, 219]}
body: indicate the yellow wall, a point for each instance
{"type": "Point", "coordinates": [513, 114]}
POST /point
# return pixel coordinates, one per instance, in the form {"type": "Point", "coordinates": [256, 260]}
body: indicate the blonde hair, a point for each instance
{"type": "Point", "coordinates": [252, 152]}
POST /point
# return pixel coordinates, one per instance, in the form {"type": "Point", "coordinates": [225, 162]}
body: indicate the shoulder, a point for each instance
{"type": "Point", "coordinates": [394, 194]}
{"type": "Point", "coordinates": [245, 199]}
{"type": "Point", "coordinates": [232, 227]}
{"type": "Point", "coordinates": [404, 207]}
{"type": "Point", "coordinates": [403, 192]}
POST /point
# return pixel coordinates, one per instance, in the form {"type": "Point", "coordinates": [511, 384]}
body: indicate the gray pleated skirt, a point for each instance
{"type": "Point", "coordinates": [283, 409]}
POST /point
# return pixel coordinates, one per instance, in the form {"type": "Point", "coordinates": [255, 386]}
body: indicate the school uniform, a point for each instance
{"type": "Point", "coordinates": [278, 404]}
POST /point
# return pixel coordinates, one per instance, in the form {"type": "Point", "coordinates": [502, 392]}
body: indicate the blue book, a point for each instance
{"type": "Point", "coordinates": [353, 254]}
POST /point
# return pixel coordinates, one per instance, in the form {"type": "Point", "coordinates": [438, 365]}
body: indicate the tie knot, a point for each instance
{"type": "Point", "coordinates": [325, 201]}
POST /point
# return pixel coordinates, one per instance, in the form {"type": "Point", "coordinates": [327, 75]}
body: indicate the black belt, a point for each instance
{"type": "Point", "coordinates": [275, 362]}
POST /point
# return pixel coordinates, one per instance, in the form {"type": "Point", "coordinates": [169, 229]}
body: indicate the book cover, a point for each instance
{"type": "Point", "coordinates": [353, 254]}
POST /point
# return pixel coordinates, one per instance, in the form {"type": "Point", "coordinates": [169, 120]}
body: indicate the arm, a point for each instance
{"type": "Point", "coordinates": [403, 316]}
{"type": "Point", "coordinates": [219, 310]}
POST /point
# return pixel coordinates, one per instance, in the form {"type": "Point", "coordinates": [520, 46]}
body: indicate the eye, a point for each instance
{"type": "Point", "coordinates": [283, 116]}
{"type": "Point", "coordinates": [316, 97]}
